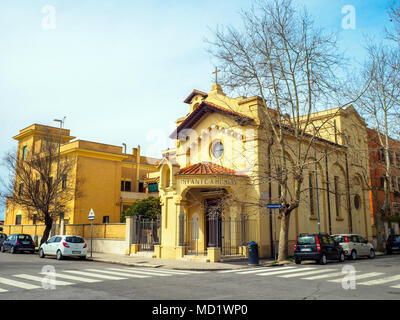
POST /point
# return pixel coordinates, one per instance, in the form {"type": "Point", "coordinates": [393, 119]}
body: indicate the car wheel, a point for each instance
{"type": "Point", "coordinates": [12, 250]}
{"type": "Point", "coordinates": [341, 257]}
{"type": "Point", "coordinates": [59, 255]}
{"type": "Point", "coordinates": [354, 255]}
{"type": "Point", "coordinates": [84, 258]}
{"type": "Point", "coordinates": [2, 249]}
{"type": "Point", "coordinates": [371, 254]}
{"type": "Point", "coordinates": [41, 253]}
{"type": "Point", "coordinates": [297, 261]}
{"type": "Point", "coordinates": [323, 259]}
{"type": "Point", "coordinates": [388, 252]}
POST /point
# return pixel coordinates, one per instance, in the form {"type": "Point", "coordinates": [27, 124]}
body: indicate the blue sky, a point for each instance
{"type": "Point", "coordinates": [120, 70]}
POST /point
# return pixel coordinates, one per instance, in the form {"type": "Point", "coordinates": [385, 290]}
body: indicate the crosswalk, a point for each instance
{"type": "Point", "coordinates": [27, 281]}
{"type": "Point", "coordinates": [315, 273]}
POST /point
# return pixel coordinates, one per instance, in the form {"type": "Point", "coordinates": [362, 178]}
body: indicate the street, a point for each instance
{"type": "Point", "coordinates": [25, 276]}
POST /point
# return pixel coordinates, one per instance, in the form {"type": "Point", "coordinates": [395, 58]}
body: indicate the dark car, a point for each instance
{"type": "Point", "coordinates": [318, 247]}
{"type": "Point", "coordinates": [3, 237]}
{"type": "Point", "coordinates": [393, 244]}
{"type": "Point", "coordinates": [18, 242]}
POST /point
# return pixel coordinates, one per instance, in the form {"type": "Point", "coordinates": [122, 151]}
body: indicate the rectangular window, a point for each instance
{"type": "Point", "coordinates": [106, 219]}
{"type": "Point", "coordinates": [64, 181]}
{"type": "Point", "coordinates": [141, 187]}
{"type": "Point", "coordinates": [382, 182]}
{"type": "Point", "coordinates": [126, 186]}
{"type": "Point", "coordinates": [337, 196]}
{"type": "Point", "coordinates": [24, 152]}
{"type": "Point", "coordinates": [391, 157]}
{"type": "Point", "coordinates": [393, 183]}
{"type": "Point", "coordinates": [20, 189]}
{"type": "Point", "coordinates": [18, 219]}
{"type": "Point", "coordinates": [153, 187]}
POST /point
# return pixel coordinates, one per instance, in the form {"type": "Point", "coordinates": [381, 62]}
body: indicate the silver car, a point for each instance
{"type": "Point", "coordinates": [355, 246]}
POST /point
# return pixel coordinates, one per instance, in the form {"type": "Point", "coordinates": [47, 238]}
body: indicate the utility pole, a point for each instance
{"type": "Point", "coordinates": [57, 177]}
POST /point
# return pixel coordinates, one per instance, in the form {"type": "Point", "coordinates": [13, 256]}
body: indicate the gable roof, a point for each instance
{"type": "Point", "coordinates": [193, 94]}
{"type": "Point", "coordinates": [208, 107]}
{"type": "Point", "coordinates": [208, 168]}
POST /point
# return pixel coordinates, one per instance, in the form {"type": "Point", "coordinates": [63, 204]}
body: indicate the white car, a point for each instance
{"type": "Point", "coordinates": [64, 246]}
{"type": "Point", "coordinates": [354, 246]}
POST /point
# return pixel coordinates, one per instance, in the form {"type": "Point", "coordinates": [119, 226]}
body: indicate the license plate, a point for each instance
{"type": "Point", "coordinates": [395, 248]}
{"type": "Point", "coordinates": [76, 252]}
{"type": "Point", "coordinates": [26, 242]}
{"type": "Point", "coordinates": [306, 249]}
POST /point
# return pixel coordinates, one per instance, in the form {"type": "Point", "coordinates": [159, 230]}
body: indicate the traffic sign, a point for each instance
{"type": "Point", "coordinates": [91, 215]}
{"type": "Point", "coordinates": [274, 206]}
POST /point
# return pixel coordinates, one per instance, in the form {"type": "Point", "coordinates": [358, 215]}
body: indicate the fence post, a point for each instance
{"type": "Point", "coordinates": [129, 233]}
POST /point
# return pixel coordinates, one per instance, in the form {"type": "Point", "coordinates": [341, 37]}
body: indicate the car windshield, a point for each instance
{"type": "Point", "coordinates": [74, 240]}
{"type": "Point", "coordinates": [306, 240]}
{"type": "Point", "coordinates": [24, 237]}
{"type": "Point", "coordinates": [395, 238]}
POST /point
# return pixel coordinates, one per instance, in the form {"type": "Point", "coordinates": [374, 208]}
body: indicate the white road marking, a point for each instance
{"type": "Point", "coordinates": [324, 276]}
{"type": "Point", "coordinates": [380, 281]}
{"type": "Point", "coordinates": [176, 272]}
{"type": "Point", "coordinates": [18, 284]}
{"type": "Point", "coordinates": [124, 274]}
{"type": "Point", "coordinates": [3, 290]}
{"type": "Point", "coordinates": [284, 271]}
{"type": "Point", "coordinates": [234, 270]}
{"type": "Point", "coordinates": [142, 272]}
{"type": "Point", "coordinates": [300, 274]}
{"type": "Point", "coordinates": [70, 277]}
{"type": "Point", "coordinates": [40, 279]}
{"type": "Point", "coordinates": [263, 270]}
{"type": "Point", "coordinates": [358, 277]}
{"type": "Point", "coordinates": [94, 275]}
{"type": "Point", "coordinates": [396, 287]}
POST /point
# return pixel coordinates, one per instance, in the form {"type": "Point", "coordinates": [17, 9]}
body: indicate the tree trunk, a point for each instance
{"type": "Point", "coordinates": [284, 236]}
{"type": "Point", "coordinates": [380, 232]}
{"type": "Point", "coordinates": [46, 233]}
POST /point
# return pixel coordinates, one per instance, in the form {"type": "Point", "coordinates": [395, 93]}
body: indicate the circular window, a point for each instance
{"type": "Point", "coordinates": [357, 201]}
{"type": "Point", "coordinates": [217, 149]}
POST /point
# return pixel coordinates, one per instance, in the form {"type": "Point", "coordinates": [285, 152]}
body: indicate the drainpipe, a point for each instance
{"type": "Point", "coordinates": [348, 194]}
{"type": "Point", "coordinates": [124, 144]}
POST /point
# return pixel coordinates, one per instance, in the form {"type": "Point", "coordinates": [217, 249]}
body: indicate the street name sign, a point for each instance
{"type": "Point", "coordinates": [274, 206]}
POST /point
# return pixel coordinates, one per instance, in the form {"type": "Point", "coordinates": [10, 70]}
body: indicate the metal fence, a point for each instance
{"type": "Point", "coordinates": [219, 232]}
{"type": "Point", "coordinates": [147, 233]}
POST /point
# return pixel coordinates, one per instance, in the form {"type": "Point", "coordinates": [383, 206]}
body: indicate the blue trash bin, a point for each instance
{"type": "Point", "coordinates": [253, 254]}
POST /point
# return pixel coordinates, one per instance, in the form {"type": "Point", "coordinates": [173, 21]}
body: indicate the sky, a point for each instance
{"type": "Point", "coordinates": [120, 70]}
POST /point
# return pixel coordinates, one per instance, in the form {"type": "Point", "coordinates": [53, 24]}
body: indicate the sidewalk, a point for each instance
{"type": "Point", "coordinates": [177, 264]}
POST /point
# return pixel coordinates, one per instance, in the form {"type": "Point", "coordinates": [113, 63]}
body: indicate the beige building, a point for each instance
{"type": "Point", "coordinates": [215, 185]}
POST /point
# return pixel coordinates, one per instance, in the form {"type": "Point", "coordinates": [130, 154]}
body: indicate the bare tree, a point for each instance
{"type": "Point", "coordinates": [32, 184]}
{"type": "Point", "coordinates": [394, 16]}
{"type": "Point", "coordinates": [282, 57]}
{"type": "Point", "coordinates": [380, 105]}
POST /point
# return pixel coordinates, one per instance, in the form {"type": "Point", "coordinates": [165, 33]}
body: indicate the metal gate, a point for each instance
{"type": "Point", "coordinates": [148, 233]}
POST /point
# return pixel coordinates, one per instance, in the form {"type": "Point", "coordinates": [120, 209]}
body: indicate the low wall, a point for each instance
{"type": "Point", "coordinates": [116, 246]}
{"type": "Point", "coordinates": [100, 231]}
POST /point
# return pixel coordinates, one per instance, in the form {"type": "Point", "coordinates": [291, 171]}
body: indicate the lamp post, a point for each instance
{"type": "Point", "coordinates": [57, 177]}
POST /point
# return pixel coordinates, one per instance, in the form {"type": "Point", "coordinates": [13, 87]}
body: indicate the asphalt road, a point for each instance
{"type": "Point", "coordinates": [21, 278]}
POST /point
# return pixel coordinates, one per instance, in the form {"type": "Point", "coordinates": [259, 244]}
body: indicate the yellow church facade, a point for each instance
{"type": "Point", "coordinates": [214, 186]}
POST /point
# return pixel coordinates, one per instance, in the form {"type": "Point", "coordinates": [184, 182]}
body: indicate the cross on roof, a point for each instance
{"type": "Point", "coordinates": [216, 74]}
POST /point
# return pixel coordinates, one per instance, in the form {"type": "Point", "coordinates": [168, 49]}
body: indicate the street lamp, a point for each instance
{"type": "Point", "coordinates": [57, 177]}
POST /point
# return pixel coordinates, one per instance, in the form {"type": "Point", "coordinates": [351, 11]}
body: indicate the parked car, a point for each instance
{"type": "Point", "coordinates": [318, 247]}
{"type": "Point", "coordinates": [393, 244]}
{"type": "Point", "coordinates": [18, 242]}
{"type": "Point", "coordinates": [64, 246]}
{"type": "Point", "coordinates": [3, 237]}
{"type": "Point", "coordinates": [355, 245]}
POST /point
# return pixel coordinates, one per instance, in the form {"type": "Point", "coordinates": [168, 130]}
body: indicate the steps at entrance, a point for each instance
{"type": "Point", "coordinates": [146, 254]}
{"type": "Point", "coordinates": [233, 258]}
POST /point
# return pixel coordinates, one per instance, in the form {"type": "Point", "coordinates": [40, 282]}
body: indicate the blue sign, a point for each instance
{"type": "Point", "coordinates": [274, 206]}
